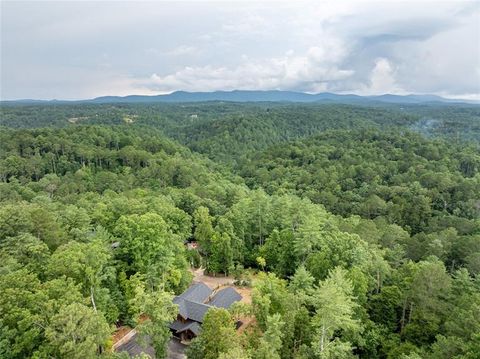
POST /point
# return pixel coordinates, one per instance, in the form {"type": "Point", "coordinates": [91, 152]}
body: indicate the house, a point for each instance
{"type": "Point", "coordinates": [192, 245]}
{"type": "Point", "coordinates": [194, 303]}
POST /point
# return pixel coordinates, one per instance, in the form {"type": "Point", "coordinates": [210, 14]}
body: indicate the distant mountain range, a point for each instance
{"type": "Point", "coordinates": [258, 96]}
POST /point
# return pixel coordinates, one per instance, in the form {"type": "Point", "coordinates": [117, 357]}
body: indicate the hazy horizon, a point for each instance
{"type": "Point", "coordinates": [467, 100]}
{"type": "Point", "coordinates": [81, 50]}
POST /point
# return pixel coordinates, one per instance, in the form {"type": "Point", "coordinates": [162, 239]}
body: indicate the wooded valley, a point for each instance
{"type": "Point", "coordinates": [357, 228]}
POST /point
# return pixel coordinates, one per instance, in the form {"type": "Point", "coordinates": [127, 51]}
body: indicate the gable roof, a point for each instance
{"type": "Point", "coordinates": [180, 327]}
{"type": "Point", "coordinates": [194, 327]}
{"type": "Point", "coordinates": [225, 298]}
{"type": "Point", "coordinates": [194, 303]}
{"type": "Point", "coordinates": [197, 292]}
{"type": "Point", "coordinates": [196, 311]}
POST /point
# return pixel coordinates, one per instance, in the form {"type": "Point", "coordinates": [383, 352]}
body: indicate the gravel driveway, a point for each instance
{"type": "Point", "coordinates": [175, 349]}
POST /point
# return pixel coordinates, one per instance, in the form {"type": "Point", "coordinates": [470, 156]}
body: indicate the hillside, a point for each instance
{"type": "Point", "coordinates": [419, 184]}
{"type": "Point", "coordinates": [339, 211]}
{"type": "Point", "coordinates": [226, 131]}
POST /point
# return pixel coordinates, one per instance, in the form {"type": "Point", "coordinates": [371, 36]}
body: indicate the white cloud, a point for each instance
{"type": "Point", "coordinates": [84, 49]}
{"type": "Point", "coordinates": [308, 72]}
{"type": "Point", "coordinates": [382, 79]}
{"type": "Point", "coordinates": [248, 24]}
{"type": "Point", "coordinates": [183, 50]}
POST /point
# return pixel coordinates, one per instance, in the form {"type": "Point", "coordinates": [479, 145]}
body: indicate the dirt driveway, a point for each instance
{"type": "Point", "coordinates": [212, 282]}
{"type": "Point", "coordinates": [222, 281]}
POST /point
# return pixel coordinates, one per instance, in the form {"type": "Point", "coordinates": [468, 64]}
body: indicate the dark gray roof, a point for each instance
{"type": "Point", "coordinates": [178, 327]}
{"type": "Point", "coordinates": [225, 298]}
{"type": "Point", "coordinates": [198, 292]}
{"type": "Point", "coordinates": [194, 327]}
{"type": "Point", "coordinates": [194, 303]}
{"type": "Point", "coordinates": [196, 311]}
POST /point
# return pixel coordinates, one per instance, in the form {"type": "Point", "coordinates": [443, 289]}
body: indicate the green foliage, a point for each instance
{"type": "Point", "coordinates": [159, 311]}
{"type": "Point", "coordinates": [271, 342]}
{"type": "Point", "coordinates": [148, 246]}
{"type": "Point", "coordinates": [334, 310]}
{"type": "Point", "coordinates": [30, 252]}
{"type": "Point", "coordinates": [77, 332]}
{"type": "Point", "coordinates": [430, 288]}
{"type": "Point", "coordinates": [389, 175]}
{"type": "Point", "coordinates": [218, 336]}
{"type": "Point", "coordinates": [270, 296]}
{"type": "Point", "coordinates": [221, 258]}
{"type": "Point", "coordinates": [362, 237]}
{"type": "Point", "coordinates": [302, 281]}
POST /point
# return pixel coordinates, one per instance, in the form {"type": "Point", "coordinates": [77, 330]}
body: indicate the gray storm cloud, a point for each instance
{"type": "Point", "coordinates": [88, 49]}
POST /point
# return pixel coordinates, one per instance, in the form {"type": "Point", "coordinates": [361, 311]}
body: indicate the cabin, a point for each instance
{"type": "Point", "coordinates": [194, 303]}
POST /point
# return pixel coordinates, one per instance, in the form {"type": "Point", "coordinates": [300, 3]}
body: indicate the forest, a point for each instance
{"type": "Point", "coordinates": [357, 228]}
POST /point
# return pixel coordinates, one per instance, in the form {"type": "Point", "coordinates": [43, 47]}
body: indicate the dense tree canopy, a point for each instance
{"type": "Point", "coordinates": [364, 235]}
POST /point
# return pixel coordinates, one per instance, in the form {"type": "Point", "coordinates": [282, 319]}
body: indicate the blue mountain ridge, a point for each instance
{"type": "Point", "coordinates": [257, 96]}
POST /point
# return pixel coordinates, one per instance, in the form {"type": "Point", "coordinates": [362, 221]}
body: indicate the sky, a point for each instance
{"type": "Point", "coordinates": [78, 50]}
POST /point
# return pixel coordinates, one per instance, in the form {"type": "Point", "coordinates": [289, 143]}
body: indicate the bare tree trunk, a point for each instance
{"type": "Point", "coordinates": [378, 281]}
{"type": "Point", "coordinates": [261, 230]}
{"type": "Point", "coordinates": [402, 321]}
{"type": "Point", "coordinates": [322, 339]}
{"type": "Point", "coordinates": [410, 313]}
{"type": "Point", "coordinates": [453, 266]}
{"type": "Point", "coordinates": [92, 299]}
